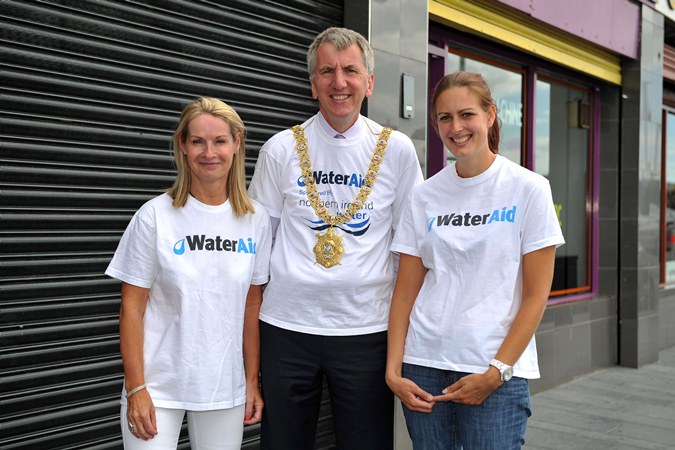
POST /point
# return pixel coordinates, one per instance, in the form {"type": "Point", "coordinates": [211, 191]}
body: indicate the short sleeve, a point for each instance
{"type": "Point", "coordinates": [261, 270]}
{"type": "Point", "coordinates": [135, 260]}
{"type": "Point", "coordinates": [265, 185]}
{"type": "Point", "coordinates": [411, 176]}
{"type": "Point", "coordinates": [405, 238]}
{"type": "Point", "coordinates": [540, 223]}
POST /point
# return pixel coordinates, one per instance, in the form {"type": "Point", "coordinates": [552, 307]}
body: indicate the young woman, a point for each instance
{"type": "Point", "coordinates": [477, 246]}
{"type": "Point", "coordinates": [192, 264]}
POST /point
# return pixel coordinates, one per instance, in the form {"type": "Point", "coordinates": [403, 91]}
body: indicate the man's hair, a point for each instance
{"type": "Point", "coordinates": [341, 38]}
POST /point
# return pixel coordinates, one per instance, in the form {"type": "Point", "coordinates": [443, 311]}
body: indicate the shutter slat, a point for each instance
{"type": "Point", "coordinates": [91, 92]}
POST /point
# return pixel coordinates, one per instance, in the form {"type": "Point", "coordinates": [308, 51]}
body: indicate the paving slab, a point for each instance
{"type": "Point", "coordinates": [618, 408]}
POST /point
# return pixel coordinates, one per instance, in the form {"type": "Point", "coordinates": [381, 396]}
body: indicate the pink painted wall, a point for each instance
{"type": "Point", "coordinates": [612, 24]}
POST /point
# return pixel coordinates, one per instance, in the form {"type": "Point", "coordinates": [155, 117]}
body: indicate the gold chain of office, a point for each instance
{"type": "Point", "coordinates": [328, 248]}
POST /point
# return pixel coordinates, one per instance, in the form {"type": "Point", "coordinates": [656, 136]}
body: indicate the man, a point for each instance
{"type": "Point", "coordinates": [335, 187]}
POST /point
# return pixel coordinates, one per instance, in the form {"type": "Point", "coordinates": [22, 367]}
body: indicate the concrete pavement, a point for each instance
{"type": "Point", "coordinates": [618, 408]}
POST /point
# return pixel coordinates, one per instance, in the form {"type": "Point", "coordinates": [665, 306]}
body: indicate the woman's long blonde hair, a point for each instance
{"type": "Point", "coordinates": [236, 178]}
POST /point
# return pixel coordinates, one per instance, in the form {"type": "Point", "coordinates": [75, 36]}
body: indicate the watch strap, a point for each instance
{"type": "Point", "coordinates": [502, 367]}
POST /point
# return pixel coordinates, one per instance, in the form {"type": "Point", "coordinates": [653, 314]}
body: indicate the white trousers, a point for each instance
{"type": "Point", "coordinates": [220, 429]}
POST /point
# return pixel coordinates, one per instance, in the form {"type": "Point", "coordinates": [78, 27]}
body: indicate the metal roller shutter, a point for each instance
{"type": "Point", "coordinates": [89, 94]}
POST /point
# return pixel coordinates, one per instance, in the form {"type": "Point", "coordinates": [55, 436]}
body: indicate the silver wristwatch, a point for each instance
{"type": "Point", "coordinates": [505, 371]}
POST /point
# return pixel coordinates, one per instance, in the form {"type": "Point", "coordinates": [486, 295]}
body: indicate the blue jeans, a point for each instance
{"type": "Point", "coordinates": [496, 424]}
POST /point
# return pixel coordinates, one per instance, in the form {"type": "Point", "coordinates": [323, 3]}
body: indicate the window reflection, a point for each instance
{"type": "Point", "coordinates": [562, 149]}
{"type": "Point", "coordinates": [669, 229]}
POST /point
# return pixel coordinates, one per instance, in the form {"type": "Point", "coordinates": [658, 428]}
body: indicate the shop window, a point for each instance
{"type": "Point", "coordinates": [562, 139]}
{"type": "Point", "coordinates": [668, 212]}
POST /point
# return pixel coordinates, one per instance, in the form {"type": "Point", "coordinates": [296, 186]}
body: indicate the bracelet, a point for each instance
{"type": "Point", "coordinates": [134, 390]}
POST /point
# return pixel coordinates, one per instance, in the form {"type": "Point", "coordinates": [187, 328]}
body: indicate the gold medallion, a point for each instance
{"type": "Point", "coordinates": [328, 248]}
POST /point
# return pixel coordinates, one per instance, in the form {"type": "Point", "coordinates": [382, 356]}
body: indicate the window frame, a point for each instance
{"type": "Point", "coordinates": [663, 226]}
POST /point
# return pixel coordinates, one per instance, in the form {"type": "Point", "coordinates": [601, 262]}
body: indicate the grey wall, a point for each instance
{"type": "Point", "coordinates": [640, 170]}
{"type": "Point", "coordinates": [399, 34]}
{"type": "Point", "coordinates": [667, 319]}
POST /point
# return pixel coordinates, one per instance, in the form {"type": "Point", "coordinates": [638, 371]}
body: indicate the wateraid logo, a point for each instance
{"type": "Point", "coordinates": [219, 244]}
{"type": "Point", "coordinates": [320, 177]}
{"type": "Point", "coordinates": [472, 220]}
{"type": "Point", "coordinates": [179, 247]}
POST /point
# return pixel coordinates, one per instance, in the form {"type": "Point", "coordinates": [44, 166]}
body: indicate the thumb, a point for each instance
{"type": "Point", "coordinates": [248, 411]}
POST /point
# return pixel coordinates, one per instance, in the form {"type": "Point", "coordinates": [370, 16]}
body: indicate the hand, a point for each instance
{"type": "Point", "coordinates": [141, 415]}
{"type": "Point", "coordinates": [254, 404]}
{"type": "Point", "coordinates": [410, 394]}
{"type": "Point", "coordinates": [471, 390]}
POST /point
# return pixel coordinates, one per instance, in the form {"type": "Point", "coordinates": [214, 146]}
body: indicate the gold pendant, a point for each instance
{"type": "Point", "coordinates": [328, 248]}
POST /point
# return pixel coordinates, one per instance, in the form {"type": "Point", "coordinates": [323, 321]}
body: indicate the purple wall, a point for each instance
{"type": "Point", "coordinates": [612, 24]}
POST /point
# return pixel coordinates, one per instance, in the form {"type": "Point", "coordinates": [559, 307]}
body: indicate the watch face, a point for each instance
{"type": "Point", "coordinates": [507, 374]}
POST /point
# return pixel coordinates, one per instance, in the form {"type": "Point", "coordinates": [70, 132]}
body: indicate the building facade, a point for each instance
{"type": "Point", "coordinates": [90, 91]}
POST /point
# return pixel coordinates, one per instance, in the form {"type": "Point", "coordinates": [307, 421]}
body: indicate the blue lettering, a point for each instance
{"type": "Point", "coordinates": [242, 247]}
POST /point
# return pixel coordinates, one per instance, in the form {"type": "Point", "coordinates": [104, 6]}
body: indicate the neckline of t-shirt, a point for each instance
{"type": "Point", "coordinates": [354, 132]}
{"type": "Point", "coordinates": [194, 203]}
{"type": "Point", "coordinates": [347, 141]}
{"type": "Point", "coordinates": [480, 178]}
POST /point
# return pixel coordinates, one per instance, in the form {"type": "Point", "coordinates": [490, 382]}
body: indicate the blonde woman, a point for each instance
{"type": "Point", "coordinates": [192, 264]}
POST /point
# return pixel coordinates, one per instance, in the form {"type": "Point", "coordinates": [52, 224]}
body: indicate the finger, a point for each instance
{"type": "Point", "coordinates": [421, 394]}
{"type": "Point", "coordinates": [248, 412]}
{"type": "Point", "coordinates": [453, 387]}
{"type": "Point", "coordinates": [451, 397]}
{"type": "Point", "coordinates": [146, 427]}
{"type": "Point", "coordinates": [423, 407]}
{"type": "Point", "coordinates": [410, 388]}
{"type": "Point", "coordinates": [257, 411]}
{"type": "Point", "coordinates": [131, 427]}
{"type": "Point", "coordinates": [452, 393]}
{"type": "Point", "coordinates": [148, 423]}
{"type": "Point", "coordinates": [153, 420]}
{"type": "Point", "coordinates": [256, 415]}
{"type": "Point", "coordinates": [417, 403]}
{"type": "Point", "coordinates": [420, 406]}
{"type": "Point", "coordinates": [138, 430]}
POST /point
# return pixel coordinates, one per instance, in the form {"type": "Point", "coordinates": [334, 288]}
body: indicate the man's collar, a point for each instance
{"type": "Point", "coordinates": [352, 132]}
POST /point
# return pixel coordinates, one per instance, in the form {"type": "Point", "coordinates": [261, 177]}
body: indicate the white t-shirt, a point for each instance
{"type": "Point", "coordinates": [199, 262]}
{"type": "Point", "coordinates": [471, 234]}
{"type": "Point", "coordinates": [351, 298]}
